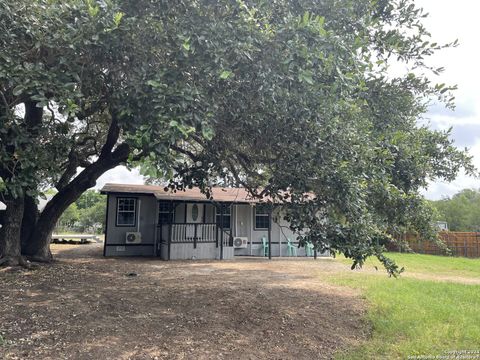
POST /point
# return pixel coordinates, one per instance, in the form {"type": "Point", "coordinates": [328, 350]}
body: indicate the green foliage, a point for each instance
{"type": "Point", "coordinates": [93, 216]}
{"type": "Point", "coordinates": [410, 316]}
{"type": "Point", "coordinates": [70, 216]}
{"type": "Point", "coordinates": [461, 211]}
{"type": "Point", "coordinates": [87, 214]}
{"type": "Point", "coordinates": [90, 199]}
{"type": "Point", "coordinates": [313, 110]}
{"type": "Point", "coordinates": [286, 97]}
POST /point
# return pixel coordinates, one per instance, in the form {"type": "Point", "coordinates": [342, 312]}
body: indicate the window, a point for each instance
{"type": "Point", "coordinates": [227, 216]}
{"type": "Point", "coordinates": [165, 212]}
{"type": "Point", "coordinates": [261, 217]}
{"type": "Point", "coordinates": [126, 211]}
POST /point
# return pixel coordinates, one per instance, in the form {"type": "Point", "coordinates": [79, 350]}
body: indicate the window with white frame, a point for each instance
{"type": "Point", "coordinates": [165, 212]}
{"type": "Point", "coordinates": [126, 211]}
{"type": "Point", "coordinates": [227, 217]}
{"type": "Point", "coordinates": [261, 217]}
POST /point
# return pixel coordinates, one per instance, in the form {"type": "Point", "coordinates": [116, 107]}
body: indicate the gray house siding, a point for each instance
{"type": "Point", "coordinates": [146, 218]}
{"type": "Point", "coordinates": [145, 223]}
{"type": "Point", "coordinates": [280, 232]}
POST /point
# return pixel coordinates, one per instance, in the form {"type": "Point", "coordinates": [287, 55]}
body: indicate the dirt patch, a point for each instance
{"type": "Point", "coordinates": [87, 307]}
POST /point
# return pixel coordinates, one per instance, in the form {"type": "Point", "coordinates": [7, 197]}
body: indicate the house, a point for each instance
{"type": "Point", "coordinates": [146, 220]}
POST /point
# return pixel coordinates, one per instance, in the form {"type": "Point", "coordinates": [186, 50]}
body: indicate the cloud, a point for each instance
{"type": "Point", "coordinates": [120, 175]}
{"type": "Point", "coordinates": [466, 135]}
{"type": "Point", "coordinates": [439, 189]}
{"type": "Point", "coordinates": [464, 109]}
{"type": "Point", "coordinates": [447, 23]}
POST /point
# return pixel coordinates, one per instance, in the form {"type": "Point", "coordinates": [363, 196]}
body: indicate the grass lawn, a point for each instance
{"type": "Point", "coordinates": [415, 316]}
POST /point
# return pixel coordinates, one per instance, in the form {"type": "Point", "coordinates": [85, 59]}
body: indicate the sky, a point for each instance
{"type": "Point", "coordinates": [448, 20]}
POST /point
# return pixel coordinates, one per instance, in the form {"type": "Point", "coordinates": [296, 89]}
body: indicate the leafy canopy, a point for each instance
{"type": "Point", "coordinates": [286, 98]}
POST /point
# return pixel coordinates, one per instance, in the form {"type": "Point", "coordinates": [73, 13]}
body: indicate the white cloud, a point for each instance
{"type": "Point", "coordinates": [440, 189]}
{"type": "Point", "coordinates": [120, 175]}
{"type": "Point", "coordinates": [449, 21]}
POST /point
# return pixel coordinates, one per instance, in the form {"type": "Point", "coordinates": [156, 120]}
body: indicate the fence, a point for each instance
{"type": "Point", "coordinates": [466, 244]}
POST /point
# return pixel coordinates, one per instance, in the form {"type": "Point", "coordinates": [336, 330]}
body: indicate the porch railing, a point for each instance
{"type": "Point", "coordinates": [193, 233]}
{"type": "Point", "coordinates": [189, 233]}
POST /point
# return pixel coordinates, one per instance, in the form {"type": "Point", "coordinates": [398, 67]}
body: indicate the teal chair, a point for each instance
{"type": "Point", "coordinates": [291, 249]}
{"type": "Point", "coordinates": [264, 246]}
{"type": "Point", "coordinates": [309, 248]}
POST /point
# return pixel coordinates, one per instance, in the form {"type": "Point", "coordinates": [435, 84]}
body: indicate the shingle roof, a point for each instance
{"type": "Point", "coordinates": [220, 194]}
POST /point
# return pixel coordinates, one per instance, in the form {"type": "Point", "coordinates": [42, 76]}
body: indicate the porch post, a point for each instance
{"type": "Point", "coordinates": [270, 233]}
{"type": "Point", "coordinates": [195, 236]}
{"type": "Point", "coordinates": [221, 231]}
{"type": "Point", "coordinates": [169, 239]}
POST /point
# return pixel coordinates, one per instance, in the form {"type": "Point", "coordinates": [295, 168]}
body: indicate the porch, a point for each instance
{"type": "Point", "coordinates": [194, 241]}
{"type": "Point", "coordinates": [150, 221]}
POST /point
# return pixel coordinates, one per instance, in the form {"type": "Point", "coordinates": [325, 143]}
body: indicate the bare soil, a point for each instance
{"type": "Point", "coordinates": [85, 306]}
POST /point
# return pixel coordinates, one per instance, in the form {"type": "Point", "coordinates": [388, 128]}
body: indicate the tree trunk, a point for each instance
{"type": "Point", "coordinates": [37, 248]}
{"type": "Point", "coordinates": [10, 247]}
{"type": "Point", "coordinates": [30, 218]}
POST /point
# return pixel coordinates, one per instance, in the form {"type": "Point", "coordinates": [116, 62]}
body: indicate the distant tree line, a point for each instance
{"type": "Point", "coordinates": [86, 215]}
{"type": "Point", "coordinates": [461, 211]}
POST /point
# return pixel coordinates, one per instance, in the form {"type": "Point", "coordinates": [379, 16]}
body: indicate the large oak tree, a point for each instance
{"type": "Point", "coordinates": [283, 97]}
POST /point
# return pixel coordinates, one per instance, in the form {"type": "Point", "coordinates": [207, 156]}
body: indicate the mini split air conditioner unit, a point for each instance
{"type": "Point", "coordinates": [133, 238]}
{"type": "Point", "coordinates": [240, 242]}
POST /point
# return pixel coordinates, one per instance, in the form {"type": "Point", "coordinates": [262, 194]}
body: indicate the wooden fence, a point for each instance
{"type": "Point", "coordinates": [466, 244]}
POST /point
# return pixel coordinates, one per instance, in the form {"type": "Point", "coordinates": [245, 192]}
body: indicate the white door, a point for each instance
{"type": "Point", "coordinates": [194, 213]}
{"type": "Point", "coordinates": [194, 216]}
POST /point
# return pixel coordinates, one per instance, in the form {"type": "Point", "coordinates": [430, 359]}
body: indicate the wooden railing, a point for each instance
{"type": "Point", "coordinates": [193, 233]}
{"type": "Point", "coordinates": [190, 233]}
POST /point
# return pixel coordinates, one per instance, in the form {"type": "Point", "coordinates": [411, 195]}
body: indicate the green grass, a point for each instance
{"type": "Point", "coordinates": [418, 317]}
{"type": "Point", "coordinates": [429, 264]}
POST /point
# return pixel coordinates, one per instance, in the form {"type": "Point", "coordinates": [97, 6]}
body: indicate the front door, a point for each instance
{"type": "Point", "coordinates": [194, 216]}
{"type": "Point", "coordinates": [195, 213]}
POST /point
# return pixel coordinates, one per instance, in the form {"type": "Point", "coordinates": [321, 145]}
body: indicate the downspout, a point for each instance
{"type": "Point", "coordinates": [236, 220]}
{"type": "Point", "coordinates": [106, 226]}
{"type": "Point", "coordinates": [139, 210]}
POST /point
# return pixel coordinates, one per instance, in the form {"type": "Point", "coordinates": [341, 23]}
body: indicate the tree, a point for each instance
{"type": "Point", "coordinates": [87, 212]}
{"type": "Point", "coordinates": [286, 98]}
{"type": "Point", "coordinates": [93, 216]}
{"type": "Point", "coordinates": [461, 211]}
{"type": "Point", "coordinates": [70, 216]}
